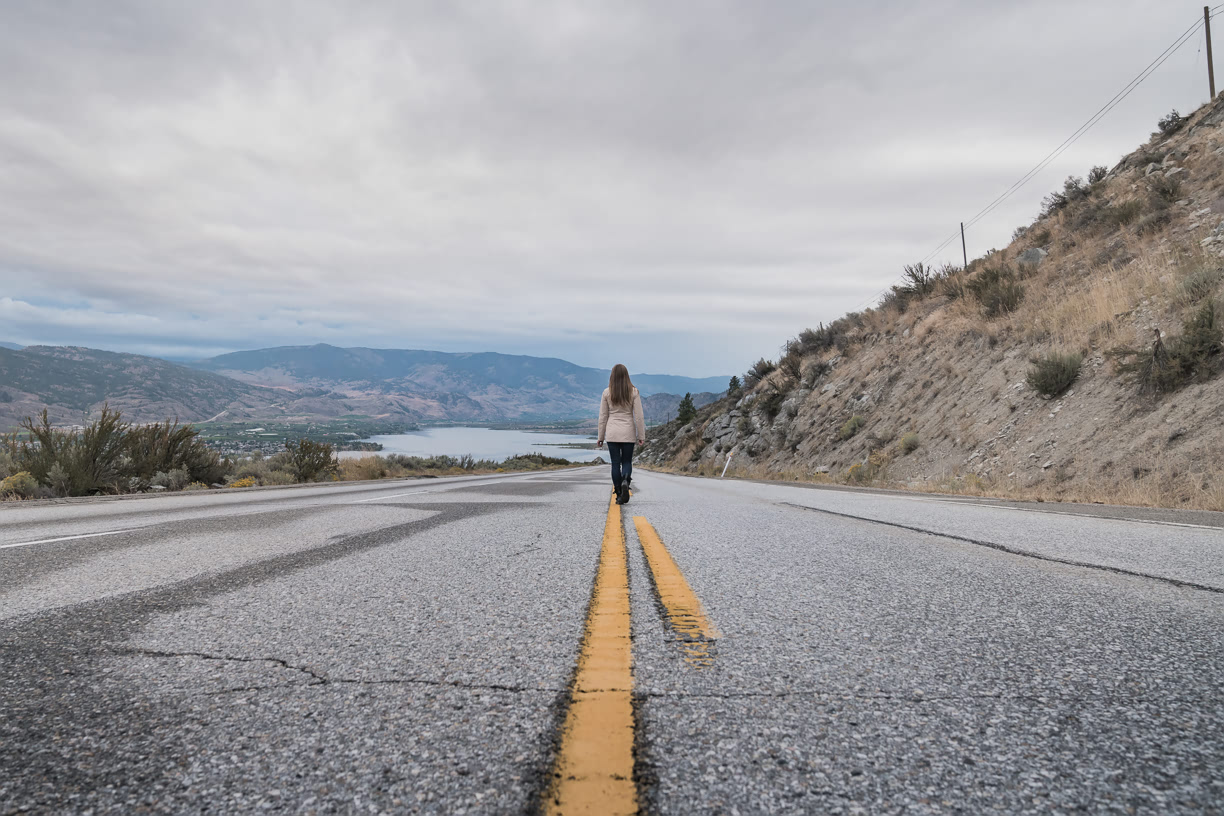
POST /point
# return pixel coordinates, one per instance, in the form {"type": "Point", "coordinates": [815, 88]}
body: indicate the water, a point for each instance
{"type": "Point", "coordinates": [483, 443]}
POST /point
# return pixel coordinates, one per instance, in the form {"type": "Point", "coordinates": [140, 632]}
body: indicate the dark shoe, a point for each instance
{"type": "Point", "coordinates": [624, 493]}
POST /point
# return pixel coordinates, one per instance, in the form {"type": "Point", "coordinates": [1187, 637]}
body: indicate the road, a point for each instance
{"type": "Point", "coordinates": [516, 643]}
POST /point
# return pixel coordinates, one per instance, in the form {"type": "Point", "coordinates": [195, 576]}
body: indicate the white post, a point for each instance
{"type": "Point", "coordinates": [729, 455]}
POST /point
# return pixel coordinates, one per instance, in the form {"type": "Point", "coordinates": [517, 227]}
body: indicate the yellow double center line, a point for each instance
{"type": "Point", "coordinates": [594, 772]}
{"type": "Point", "coordinates": [594, 767]}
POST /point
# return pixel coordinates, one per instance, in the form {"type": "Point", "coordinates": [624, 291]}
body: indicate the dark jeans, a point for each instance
{"type": "Point", "coordinates": [621, 454]}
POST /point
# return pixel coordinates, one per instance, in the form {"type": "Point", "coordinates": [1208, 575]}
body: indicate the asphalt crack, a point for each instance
{"type": "Point", "coordinates": [317, 679]}
{"type": "Point", "coordinates": [1177, 582]}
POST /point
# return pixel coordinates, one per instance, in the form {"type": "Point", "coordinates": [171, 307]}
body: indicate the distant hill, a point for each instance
{"type": "Point", "coordinates": [71, 381]}
{"type": "Point", "coordinates": [13, 346]}
{"type": "Point", "coordinates": [473, 386]}
{"type": "Point", "coordinates": [313, 382]}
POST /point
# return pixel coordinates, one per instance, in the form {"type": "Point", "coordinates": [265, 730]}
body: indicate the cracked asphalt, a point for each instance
{"type": "Point", "coordinates": [408, 647]}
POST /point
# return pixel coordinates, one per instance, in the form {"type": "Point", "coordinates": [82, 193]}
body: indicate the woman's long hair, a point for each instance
{"type": "Point", "coordinates": [620, 388]}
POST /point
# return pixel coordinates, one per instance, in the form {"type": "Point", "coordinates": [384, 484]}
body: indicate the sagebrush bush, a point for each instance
{"type": "Point", "coordinates": [1119, 215]}
{"type": "Point", "coordinates": [1153, 222]}
{"type": "Point", "coordinates": [909, 443]}
{"type": "Point", "coordinates": [761, 369]}
{"type": "Point", "coordinates": [311, 460]}
{"type": "Point", "coordinates": [997, 290]}
{"type": "Point", "coordinates": [277, 478]}
{"type": "Point", "coordinates": [814, 372]}
{"type": "Point", "coordinates": [1165, 367]}
{"type": "Point", "coordinates": [21, 485]}
{"type": "Point", "coordinates": [110, 455]}
{"type": "Point", "coordinates": [1199, 284]}
{"type": "Point", "coordinates": [1054, 373]}
{"type": "Point", "coordinates": [771, 404]}
{"type": "Point", "coordinates": [1166, 188]}
{"type": "Point", "coordinates": [1171, 123]}
{"type": "Point", "coordinates": [791, 365]}
{"type": "Point", "coordinates": [1097, 174]}
{"type": "Point", "coordinates": [851, 426]}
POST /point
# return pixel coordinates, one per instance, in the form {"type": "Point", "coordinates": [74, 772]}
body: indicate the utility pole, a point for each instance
{"type": "Point", "coordinates": [964, 252]}
{"type": "Point", "coordinates": [1210, 68]}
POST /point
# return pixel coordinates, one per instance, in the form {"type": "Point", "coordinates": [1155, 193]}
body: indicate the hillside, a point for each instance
{"type": "Point", "coordinates": [934, 389]}
{"type": "Point", "coordinates": [444, 386]}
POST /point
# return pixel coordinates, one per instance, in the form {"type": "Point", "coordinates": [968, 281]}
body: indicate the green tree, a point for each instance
{"type": "Point", "coordinates": [734, 387]}
{"type": "Point", "coordinates": [687, 411]}
{"type": "Point", "coordinates": [311, 460]}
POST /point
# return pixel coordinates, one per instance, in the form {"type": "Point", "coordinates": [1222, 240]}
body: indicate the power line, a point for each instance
{"type": "Point", "coordinates": [1117, 99]}
{"type": "Point", "coordinates": [1084, 128]}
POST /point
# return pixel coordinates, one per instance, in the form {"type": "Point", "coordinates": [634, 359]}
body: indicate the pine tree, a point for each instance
{"type": "Point", "coordinates": [733, 387]}
{"type": "Point", "coordinates": [686, 412]}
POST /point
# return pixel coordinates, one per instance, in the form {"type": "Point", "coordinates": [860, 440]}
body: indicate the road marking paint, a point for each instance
{"type": "Point", "coordinates": [395, 496]}
{"type": "Point", "coordinates": [684, 612]}
{"type": "Point", "coordinates": [67, 538]}
{"type": "Point", "coordinates": [594, 768]}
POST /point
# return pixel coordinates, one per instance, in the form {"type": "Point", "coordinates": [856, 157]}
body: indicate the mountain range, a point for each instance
{"type": "Point", "coordinates": [319, 381]}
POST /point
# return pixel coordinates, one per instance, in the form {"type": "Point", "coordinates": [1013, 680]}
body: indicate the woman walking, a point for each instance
{"type": "Point", "coordinates": [621, 424]}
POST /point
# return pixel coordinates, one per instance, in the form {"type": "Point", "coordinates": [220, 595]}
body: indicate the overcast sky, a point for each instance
{"type": "Point", "coordinates": [676, 185]}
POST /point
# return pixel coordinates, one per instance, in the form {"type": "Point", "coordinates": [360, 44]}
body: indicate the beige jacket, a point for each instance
{"type": "Point", "coordinates": [621, 424]}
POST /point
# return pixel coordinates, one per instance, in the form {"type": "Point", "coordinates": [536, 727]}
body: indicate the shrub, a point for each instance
{"type": "Point", "coordinates": [311, 460]}
{"type": "Point", "coordinates": [176, 479]}
{"type": "Point", "coordinates": [866, 472]}
{"type": "Point", "coordinates": [761, 369]}
{"type": "Point", "coordinates": [1166, 367]}
{"type": "Point", "coordinates": [21, 485]}
{"type": "Point", "coordinates": [909, 443]}
{"type": "Point", "coordinates": [1053, 374]}
{"type": "Point", "coordinates": [1171, 123]}
{"type": "Point", "coordinates": [195, 486]}
{"type": "Point", "coordinates": [88, 461]}
{"type": "Point", "coordinates": [1198, 284]}
{"type": "Point", "coordinates": [1166, 188]}
{"type": "Point", "coordinates": [771, 404]}
{"type": "Point", "coordinates": [248, 481]}
{"type": "Point", "coordinates": [814, 372]}
{"type": "Point", "coordinates": [1119, 215]}
{"type": "Point", "coordinates": [919, 279]}
{"type": "Point", "coordinates": [851, 426]}
{"type": "Point", "coordinates": [896, 298]}
{"type": "Point", "coordinates": [745, 426]}
{"type": "Point", "coordinates": [1153, 222]}
{"type": "Point", "coordinates": [997, 290]}
{"type": "Point", "coordinates": [835, 335]}
{"type": "Point", "coordinates": [7, 468]}
{"type": "Point", "coordinates": [168, 446]}
{"type": "Point", "coordinates": [1201, 342]}
{"type": "Point", "coordinates": [277, 477]}
{"type": "Point", "coordinates": [1097, 174]}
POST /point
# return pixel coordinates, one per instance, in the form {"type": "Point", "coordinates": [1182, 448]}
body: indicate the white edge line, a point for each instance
{"type": "Point", "coordinates": [396, 496]}
{"type": "Point", "coordinates": [66, 538]}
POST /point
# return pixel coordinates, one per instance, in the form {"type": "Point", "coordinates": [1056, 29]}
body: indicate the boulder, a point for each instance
{"type": "Point", "coordinates": [1032, 257]}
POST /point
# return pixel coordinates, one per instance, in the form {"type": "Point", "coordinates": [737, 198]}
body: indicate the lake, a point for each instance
{"type": "Point", "coordinates": [483, 443]}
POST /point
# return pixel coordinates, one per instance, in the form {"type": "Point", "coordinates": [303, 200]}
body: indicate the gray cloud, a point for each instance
{"type": "Point", "coordinates": [681, 185]}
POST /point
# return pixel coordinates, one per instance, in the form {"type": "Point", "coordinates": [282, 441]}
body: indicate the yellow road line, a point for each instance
{"type": "Point", "coordinates": [688, 620]}
{"type": "Point", "coordinates": [594, 770]}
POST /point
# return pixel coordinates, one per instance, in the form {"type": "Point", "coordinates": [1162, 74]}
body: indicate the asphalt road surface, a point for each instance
{"type": "Point", "coordinates": [463, 645]}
